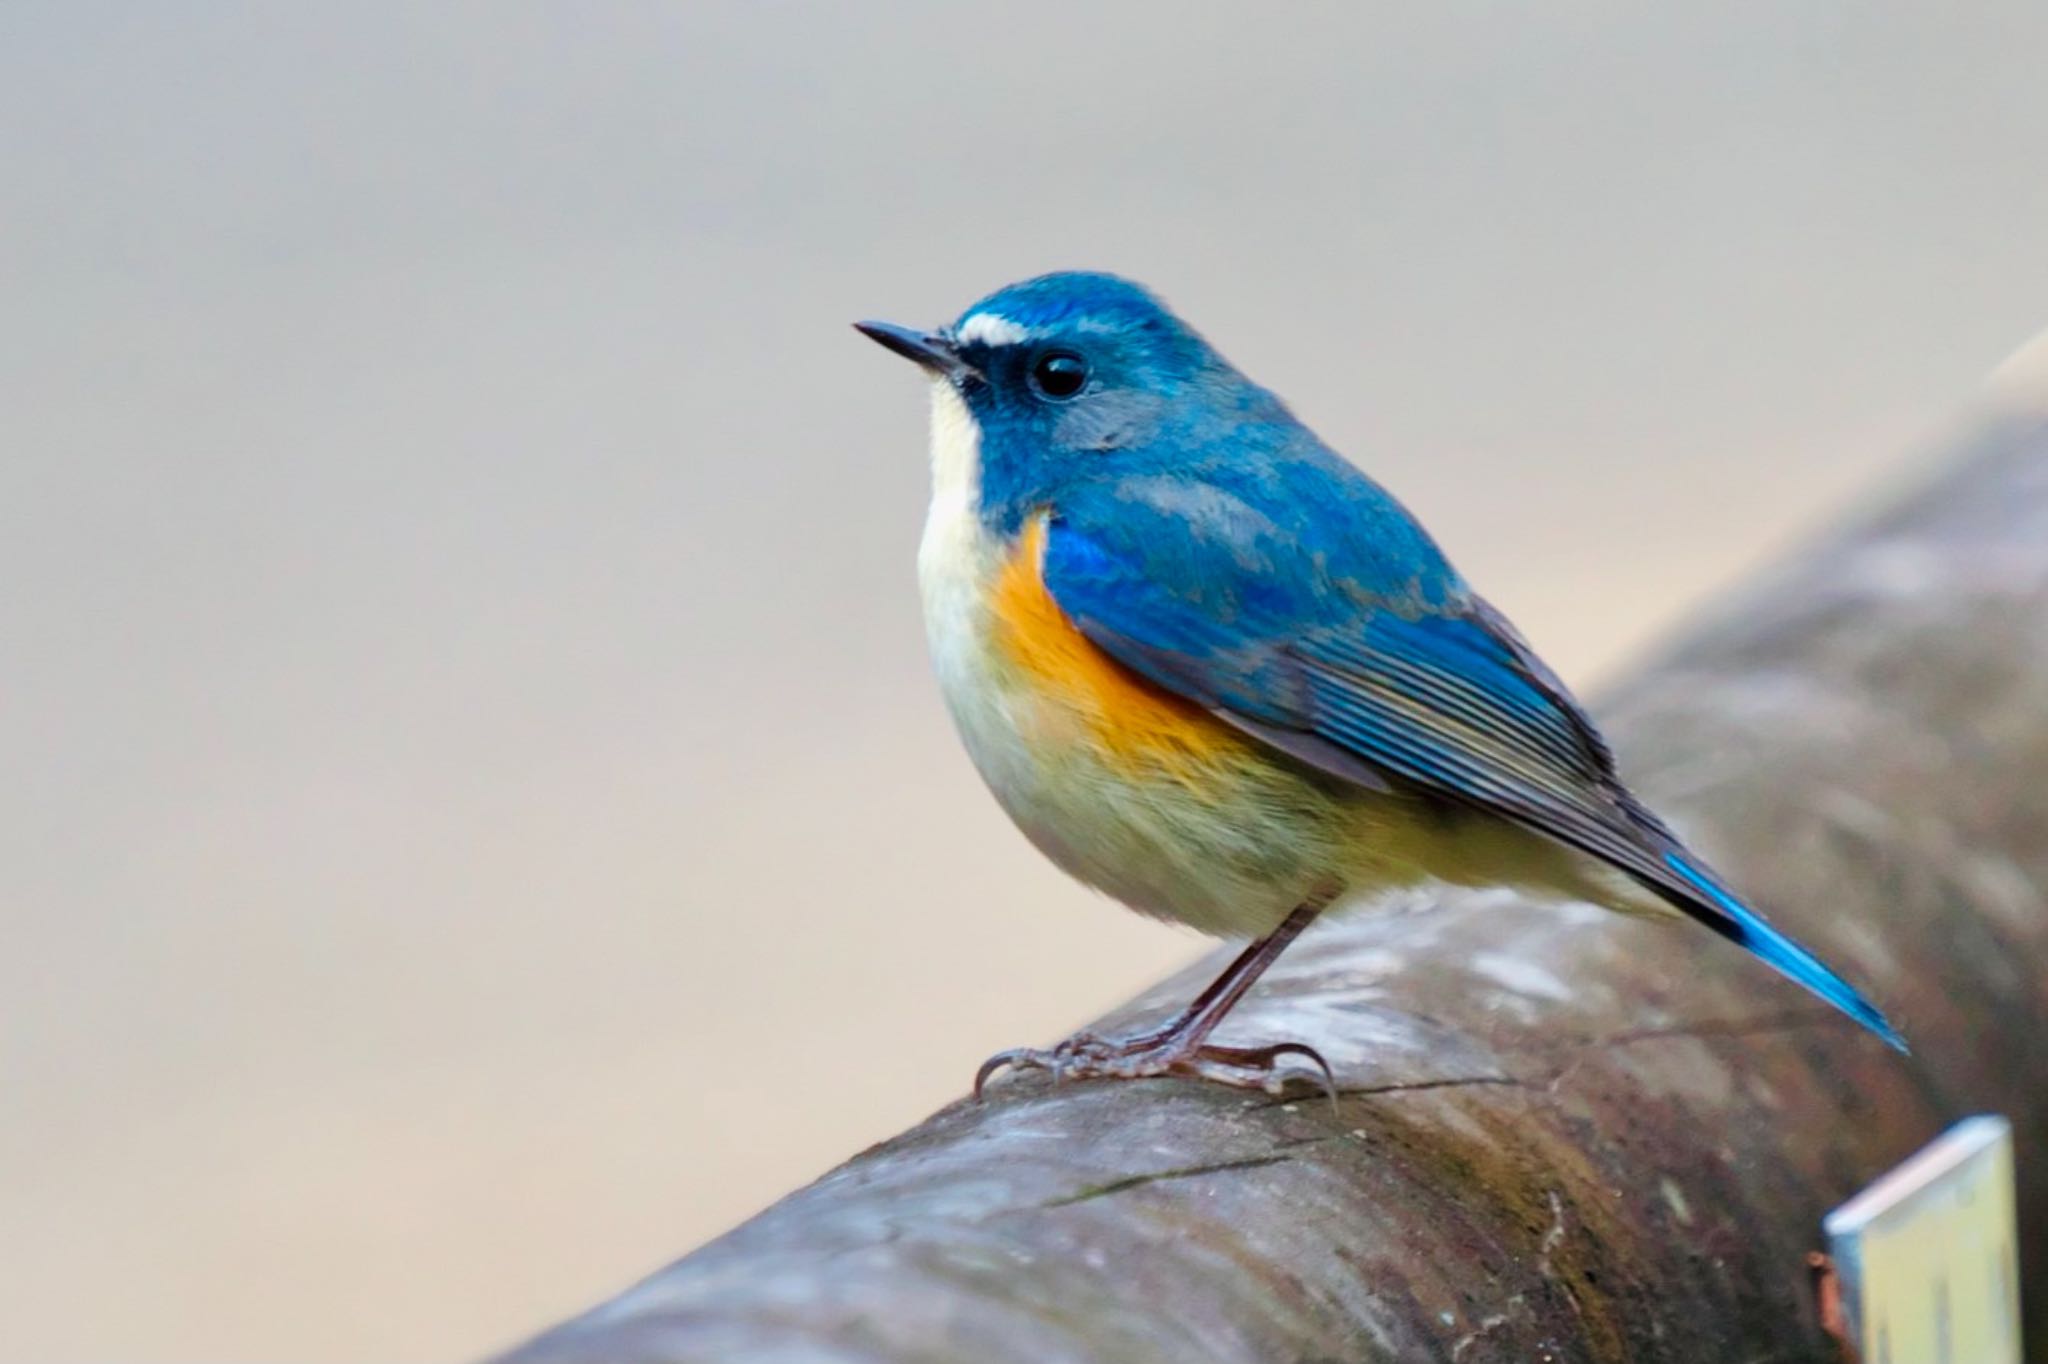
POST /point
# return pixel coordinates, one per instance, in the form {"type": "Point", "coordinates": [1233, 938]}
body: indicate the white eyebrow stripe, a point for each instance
{"type": "Point", "coordinates": [990, 330]}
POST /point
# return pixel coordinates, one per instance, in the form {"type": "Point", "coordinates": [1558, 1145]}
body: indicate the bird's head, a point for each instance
{"type": "Point", "coordinates": [1067, 376]}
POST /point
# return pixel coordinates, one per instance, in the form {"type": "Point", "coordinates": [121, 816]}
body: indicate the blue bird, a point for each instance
{"type": "Point", "coordinates": [1215, 671]}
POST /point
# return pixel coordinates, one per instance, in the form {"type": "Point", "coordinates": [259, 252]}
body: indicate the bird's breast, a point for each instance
{"type": "Point", "coordinates": [1125, 785]}
{"type": "Point", "coordinates": [1030, 693]}
{"type": "Point", "coordinates": [998, 632]}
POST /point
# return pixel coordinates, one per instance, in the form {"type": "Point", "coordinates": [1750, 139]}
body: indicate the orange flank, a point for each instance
{"type": "Point", "coordinates": [1125, 717]}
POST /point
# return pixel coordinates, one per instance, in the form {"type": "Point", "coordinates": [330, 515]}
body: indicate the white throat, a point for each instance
{"type": "Point", "coordinates": [957, 555]}
{"type": "Point", "coordinates": [956, 449]}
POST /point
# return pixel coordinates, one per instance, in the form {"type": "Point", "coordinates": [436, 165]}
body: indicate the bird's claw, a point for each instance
{"type": "Point", "coordinates": [1086, 1056]}
{"type": "Point", "coordinates": [1073, 1058]}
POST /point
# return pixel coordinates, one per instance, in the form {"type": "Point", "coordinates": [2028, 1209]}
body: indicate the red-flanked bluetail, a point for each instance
{"type": "Point", "coordinates": [1212, 669]}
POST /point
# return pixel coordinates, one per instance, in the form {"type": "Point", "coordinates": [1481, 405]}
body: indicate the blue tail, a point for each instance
{"type": "Point", "coordinates": [1745, 927]}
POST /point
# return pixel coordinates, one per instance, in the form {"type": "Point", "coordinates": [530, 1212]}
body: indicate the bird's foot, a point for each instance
{"type": "Point", "coordinates": [1086, 1056]}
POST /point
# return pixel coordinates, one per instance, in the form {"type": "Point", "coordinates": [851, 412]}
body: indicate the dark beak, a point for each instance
{"type": "Point", "coordinates": [933, 350]}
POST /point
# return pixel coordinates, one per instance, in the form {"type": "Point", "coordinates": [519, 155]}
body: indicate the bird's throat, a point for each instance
{"type": "Point", "coordinates": [955, 450]}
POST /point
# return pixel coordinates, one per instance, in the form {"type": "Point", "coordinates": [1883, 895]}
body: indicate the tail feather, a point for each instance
{"type": "Point", "coordinates": [1743, 926]}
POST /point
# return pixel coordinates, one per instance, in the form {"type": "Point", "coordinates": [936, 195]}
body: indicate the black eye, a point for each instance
{"type": "Point", "coordinates": [1059, 374]}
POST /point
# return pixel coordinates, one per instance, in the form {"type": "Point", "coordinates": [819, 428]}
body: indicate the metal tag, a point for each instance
{"type": "Point", "coordinates": [1928, 1256]}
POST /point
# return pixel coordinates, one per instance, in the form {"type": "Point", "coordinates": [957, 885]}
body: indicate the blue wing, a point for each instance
{"type": "Point", "coordinates": [1372, 667]}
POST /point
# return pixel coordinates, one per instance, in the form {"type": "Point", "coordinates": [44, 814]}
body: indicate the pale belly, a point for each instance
{"type": "Point", "coordinates": [1224, 848]}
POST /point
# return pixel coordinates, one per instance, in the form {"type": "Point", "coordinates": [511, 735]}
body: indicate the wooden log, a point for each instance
{"type": "Point", "coordinates": [1560, 1135]}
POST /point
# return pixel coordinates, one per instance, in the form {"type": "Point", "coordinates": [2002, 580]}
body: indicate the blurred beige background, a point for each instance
{"type": "Point", "coordinates": [476, 822]}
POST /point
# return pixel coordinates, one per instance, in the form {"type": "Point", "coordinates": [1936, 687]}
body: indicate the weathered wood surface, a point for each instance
{"type": "Point", "coordinates": [1561, 1136]}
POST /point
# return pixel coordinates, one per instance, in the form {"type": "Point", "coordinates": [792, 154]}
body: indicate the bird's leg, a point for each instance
{"type": "Point", "coordinates": [1182, 1046]}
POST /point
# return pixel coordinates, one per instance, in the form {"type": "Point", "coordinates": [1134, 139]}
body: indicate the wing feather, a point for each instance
{"type": "Point", "coordinates": [1446, 699]}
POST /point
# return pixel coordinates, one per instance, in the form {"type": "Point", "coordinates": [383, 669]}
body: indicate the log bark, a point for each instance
{"type": "Point", "coordinates": [1560, 1135]}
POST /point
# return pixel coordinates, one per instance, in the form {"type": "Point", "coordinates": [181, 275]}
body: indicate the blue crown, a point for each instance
{"type": "Point", "coordinates": [1049, 302]}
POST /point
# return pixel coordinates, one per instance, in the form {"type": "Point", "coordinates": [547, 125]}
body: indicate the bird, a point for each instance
{"type": "Point", "coordinates": [1210, 667]}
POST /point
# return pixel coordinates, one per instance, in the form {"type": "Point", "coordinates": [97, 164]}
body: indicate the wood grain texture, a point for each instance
{"type": "Point", "coordinates": [1561, 1135]}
